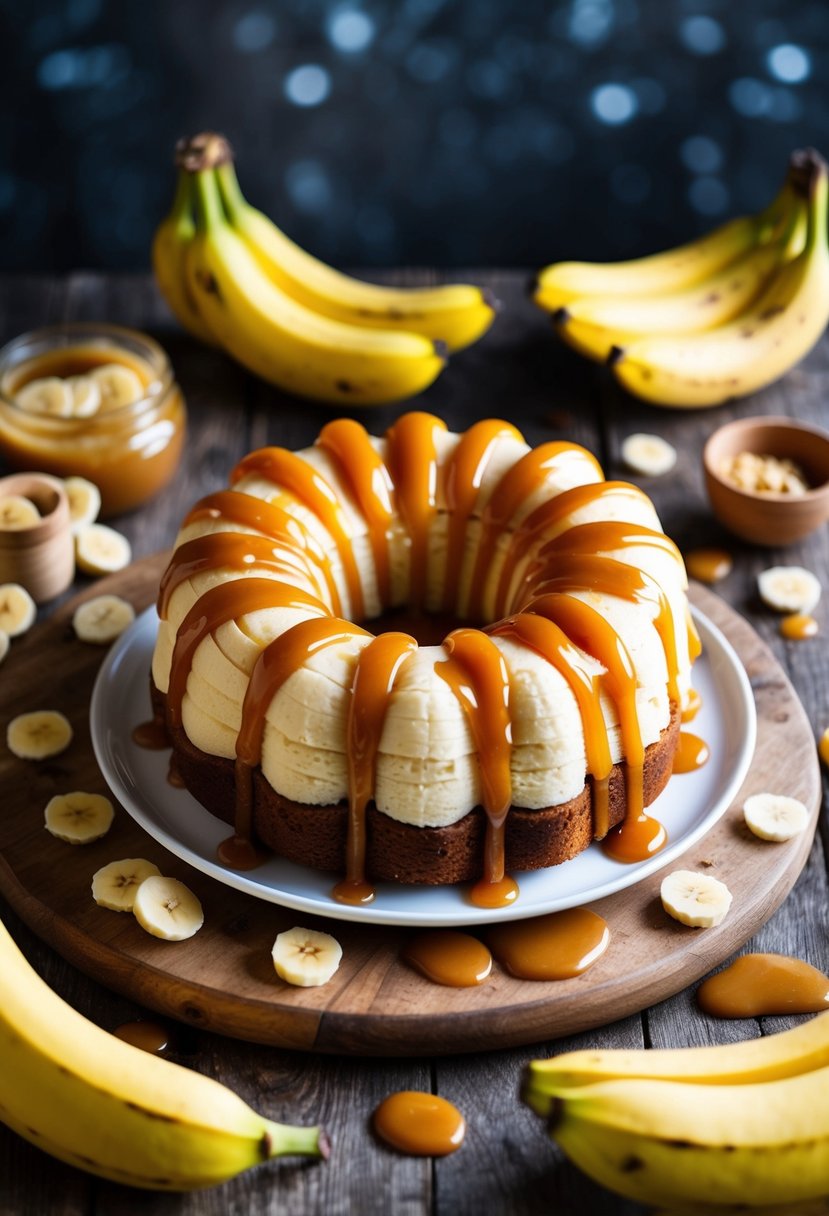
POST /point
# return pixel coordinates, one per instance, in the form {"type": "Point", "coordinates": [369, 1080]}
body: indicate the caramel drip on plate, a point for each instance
{"type": "Point", "coordinates": [413, 464]}
{"type": "Point", "coordinates": [422, 1125]}
{"type": "Point", "coordinates": [757, 985]}
{"type": "Point", "coordinates": [463, 476]}
{"type": "Point", "coordinates": [691, 754]}
{"type": "Point", "coordinates": [152, 734]}
{"type": "Point", "coordinates": [277, 662]}
{"type": "Point", "coordinates": [218, 606]}
{"type": "Point", "coordinates": [517, 485]}
{"type": "Point", "coordinates": [558, 946]}
{"type": "Point", "coordinates": [638, 836]}
{"type": "Point", "coordinates": [226, 550]}
{"type": "Point", "coordinates": [235, 507]}
{"type": "Point", "coordinates": [552, 644]}
{"type": "Point", "coordinates": [378, 666]}
{"type": "Point", "coordinates": [362, 469]}
{"type": "Point", "coordinates": [478, 676]}
{"type": "Point", "coordinates": [450, 958]}
{"type": "Point", "coordinates": [693, 706]}
{"type": "Point", "coordinates": [550, 516]}
{"type": "Point", "coordinates": [293, 475]}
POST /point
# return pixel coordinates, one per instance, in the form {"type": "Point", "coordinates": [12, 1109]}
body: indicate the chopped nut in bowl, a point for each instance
{"type": "Point", "coordinates": [768, 478]}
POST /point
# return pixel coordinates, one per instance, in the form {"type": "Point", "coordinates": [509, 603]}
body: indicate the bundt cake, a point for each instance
{"type": "Point", "coordinates": [547, 717]}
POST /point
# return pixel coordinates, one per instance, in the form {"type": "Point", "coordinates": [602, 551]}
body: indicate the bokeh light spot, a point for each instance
{"type": "Point", "coordinates": [307, 85]}
{"type": "Point", "coordinates": [789, 63]}
{"type": "Point", "coordinates": [708, 195]}
{"type": "Point", "coordinates": [701, 154]}
{"type": "Point", "coordinates": [702, 35]}
{"type": "Point", "coordinates": [613, 104]}
{"type": "Point", "coordinates": [350, 30]}
{"type": "Point", "coordinates": [308, 186]}
{"type": "Point", "coordinates": [749, 97]}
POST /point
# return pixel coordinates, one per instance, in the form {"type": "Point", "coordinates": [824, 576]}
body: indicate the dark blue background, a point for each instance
{"type": "Point", "coordinates": [419, 131]}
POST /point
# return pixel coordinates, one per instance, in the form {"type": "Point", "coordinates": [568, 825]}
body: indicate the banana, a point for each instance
{"type": "Point", "coordinates": [693, 899]}
{"type": "Point", "coordinates": [169, 252]}
{"type": "Point", "coordinates": [107, 1107]}
{"type": "Point", "coordinates": [118, 386]}
{"type": "Point", "coordinates": [114, 885]}
{"type": "Point", "coordinates": [102, 619]}
{"type": "Point", "coordinates": [650, 455]}
{"type": "Point", "coordinates": [4, 645]}
{"type": "Point", "coordinates": [17, 609]}
{"type": "Point", "coordinates": [86, 396]}
{"type": "Point", "coordinates": [775, 816]}
{"type": "Point", "coordinates": [101, 550]}
{"type": "Point", "coordinates": [789, 588]}
{"type": "Point", "coordinates": [665, 1142]}
{"type": "Point", "coordinates": [78, 818]}
{"type": "Point", "coordinates": [49, 395]}
{"type": "Point", "coordinates": [306, 957]}
{"type": "Point", "coordinates": [759, 346]}
{"type": "Point", "coordinates": [287, 343]}
{"type": "Point", "coordinates": [167, 908]}
{"type": "Point", "coordinates": [17, 513]}
{"type": "Point", "coordinates": [84, 502]}
{"type": "Point", "coordinates": [39, 734]}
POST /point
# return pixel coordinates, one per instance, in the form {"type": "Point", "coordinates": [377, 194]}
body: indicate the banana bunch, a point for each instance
{"type": "Point", "coordinates": [718, 318]}
{"type": "Point", "coordinates": [236, 280]}
{"type": "Point", "coordinates": [91, 1100]}
{"type": "Point", "coordinates": [696, 1128]}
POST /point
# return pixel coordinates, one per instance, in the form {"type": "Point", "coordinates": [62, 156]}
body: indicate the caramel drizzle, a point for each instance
{"type": "Point", "coordinates": [362, 469]}
{"type": "Point", "coordinates": [295, 476]}
{"type": "Point", "coordinates": [413, 464]}
{"type": "Point", "coordinates": [276, 663]}
{"type": "Point", "coordinates": [477, 674]}
{"type": "Point", "coordinates": [551, 643]}
{"type": "Point", "coordinates": [464, 474]}
{"type": "Point", "coordinates": [377, 670]}
{"type": "Point", "coordinates": [251, 512]}
{"type": "Point", "coordinates": [518, 484]}
{"type": "Point", "coordinates": [551, 515]}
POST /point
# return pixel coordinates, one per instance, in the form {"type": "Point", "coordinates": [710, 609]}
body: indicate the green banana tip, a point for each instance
{"type": "Point", "coordinates": [207, 150]}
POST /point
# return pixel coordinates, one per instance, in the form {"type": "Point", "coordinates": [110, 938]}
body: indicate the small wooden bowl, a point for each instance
{"type": "Point", "coordinates": [40, 558]}
{"type": "Point", "coordinates": [763, 518]}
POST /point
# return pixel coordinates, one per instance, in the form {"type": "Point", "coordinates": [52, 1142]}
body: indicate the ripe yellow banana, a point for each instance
{"type": "Point", "coordinates": [285, 342]}
{"type": "Point", "coordinates": [755, 349]}
{"type": "Point", "coordinates": [455, 313]}
{"type": "Point", "coordinates": [97, 1103]}
{"type": "Point", "coordinates": [169, 251]}
{"type": "Point", "coordinates": [666, 1142]}
{"type": "Point", "coordinates": [802, 1049]}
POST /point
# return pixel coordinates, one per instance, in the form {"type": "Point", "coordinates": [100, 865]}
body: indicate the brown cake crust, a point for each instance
{"type": "Point", "coordinates": [315, 836]}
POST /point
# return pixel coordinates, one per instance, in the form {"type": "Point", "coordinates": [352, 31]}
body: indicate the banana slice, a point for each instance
{"type": "Point", "coordinates": [168, 909]}
{"type": "Point", "coordinates": [695, 899]}
{"type": "Point", "coordinates": [118, 386]}
{"type": "Point", "coordinates": [649, 455]}
{"type": "Point", "coordinates": [775, 816]}
{"type": "Point", "coordinates": [789, 588]}
{"type": "Point", "coordinates": [78, 818]}
{"type": "Point", "coordinates": [39, 734]}
{"type": "Point", "coordinates": [114, 886]}
{"type": "Point", "coordinates": [49, 395]}
{"type": "Point", "coordinates": [101, 550]}
{"type": "Point", "coordinates": [86, 396]}
{"type": "Point", "coordinates": [84, 502]}
{"type": "Point", "coordinates": [306, 957]}
{"type": "Point", "coordinates": [102, 619]}
{"type": "Point", "coordinates": [17, 513]}
{"type": "Point", "coordinates": [4, 645]}
{"type": "Point", "coordinates": [17, 609]}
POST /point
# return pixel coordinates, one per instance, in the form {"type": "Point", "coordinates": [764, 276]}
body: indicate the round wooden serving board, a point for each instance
{"type": "Point", "coordinates": [223, 978]}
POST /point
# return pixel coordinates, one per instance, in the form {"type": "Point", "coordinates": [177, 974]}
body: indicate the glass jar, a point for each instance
{"type": "Point", "coordinates": [131, 451]}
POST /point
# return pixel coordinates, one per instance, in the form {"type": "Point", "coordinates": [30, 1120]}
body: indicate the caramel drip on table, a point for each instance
{"type": "Point", "coordinates": [558, 946]}
{"type": "Point", "coordinates": [709, 565]}
{"type": "Point", "coordinates": [422, 1125]}
{"type": "Point", "coordinates": [693, 706]}
{"type": "Point", "coordinates": [552, 644]}
{"type": "Point", "coordinates": [691, 753]}
{"type": "Point", "coordinates": [148, 1036]}
{"type": "Point", "coordinates": [227, 602]}
{"type": "Point", "coordinates": [463, 476]}
{"type": "Point", "coordinates": [277, 662]}
{"type": "Point", "coordinates": [757, 985]}
{"type": "Point", "coordinates": [238, 508]}
{"type": "Point", "coordinates": [413, 464]}
{"type": "Point", "coordinates": [225, 550]}
{"type": "Point", "coordinates": [450, 958]}
{"type": "Point", "coordinates": [378, 666]}
{"type": "Point", "coordinates": [295, 476]}
{"type": "Point", "coordinates": [361, 467]}
{"type": "Point", "coordinates": [478, 676]}
{"type": "Point", "coordinates": [548, 517]}
{"type": "Point", "coordinates": [517, 485]}
{"type": "Point", "coordinates": [798, 627]}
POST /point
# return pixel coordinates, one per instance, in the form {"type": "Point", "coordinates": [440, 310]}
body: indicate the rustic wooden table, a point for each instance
{"type": "Point", "coordinates": [506, 1165]}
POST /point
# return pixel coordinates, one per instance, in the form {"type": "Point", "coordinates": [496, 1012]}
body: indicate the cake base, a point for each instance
{"type": "Point", "coordinates": [315, 836]}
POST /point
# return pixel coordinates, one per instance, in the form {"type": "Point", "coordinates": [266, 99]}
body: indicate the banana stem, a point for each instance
{"type": "Point", "coordinates": [282, 1140]}
{"type": "Point", "coordinates": [818, 196]}
{"type": "Point", "coordinates": [230, 190]}
{"type": "Point", "coordinates": [210, 213]}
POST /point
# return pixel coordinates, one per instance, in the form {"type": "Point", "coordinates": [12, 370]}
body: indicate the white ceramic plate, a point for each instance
{"type": "Point", "coordinates": [689, 806]}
